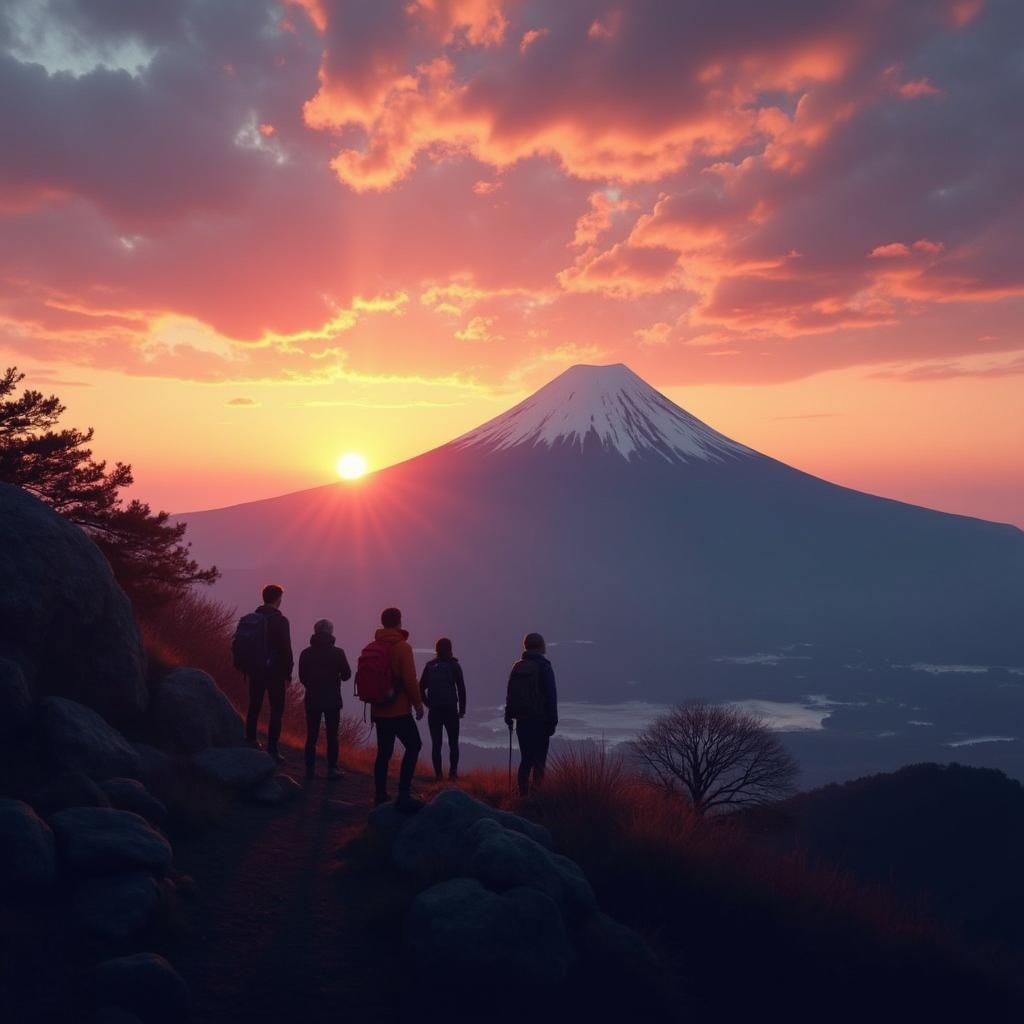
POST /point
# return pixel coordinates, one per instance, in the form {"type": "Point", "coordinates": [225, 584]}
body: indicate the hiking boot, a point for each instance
{"type": "Point", "coordinates": [254, 744]}
{"type": "Point", "coordinates": [333, 774]}
{"type": "Point", "coordinates": [438, 778]}
{"type": "Point", "coordinates": [380, 798]}
{"type": "Point", "coordinates": [453, 775]}
{"type": "Point", "coordinates": [277, 756]}
{"type": "Point", "coordinates": [311, 774]}
{"type": "Point", "coordinates": [408, 804]}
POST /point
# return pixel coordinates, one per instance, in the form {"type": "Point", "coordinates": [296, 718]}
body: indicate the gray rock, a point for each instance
{"type": "Point", "coordinates": [385, 822]}
{"type": "Point", "coordinates": [502, 859]}
{"type": "Point", "coordinates": [27, 859]}
{"type": "Point", "coordinates": [192, 714]}
{"type": "Point", "coordinates": [154, 764]}
{"type": "Point", "coordinates": [101, 840]}
{"type": "Point", "coordinates": [62, 614]}
{"type": "Point", "coordinates": [116, 907]}
{"type": "Point", "coordinates": [132, 795]}
{"type": "Point", "coordinates": [236, 767]}
{"type": "Point", "coordinates": [279, 790]}
{"type": "Point", "coordinates": [433, 843]}
{"type": "Point", "coordinates": [578, 899]}
{"type": "Point", "coordinates": [146, 984]}
{"type": "Point", "coordinates": [493, 938]}
{"type": "Point", "coordinates": [605, 944]}
{"type": "Point", "coordinates": [15, 702]}
{"type": "Point", "coordinates": [69, 789]}
{"type": "Point", "coordinates": [73, 737]}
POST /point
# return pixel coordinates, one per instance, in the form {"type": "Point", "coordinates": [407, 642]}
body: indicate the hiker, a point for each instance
{"type": "Point", "coordinates": [532, 703]}
{"type": "Point", "coordinates": [386, 680]}
{"type": "Point", "coordinates": [262, 651]}
{"type": "Point", "coordinates": [443, 691]}
{"type": "Point", "coordinates": [323, 667]}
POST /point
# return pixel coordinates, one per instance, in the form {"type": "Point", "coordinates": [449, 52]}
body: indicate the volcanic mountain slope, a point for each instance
{"type": "Point", "coordinates": [600, 512]}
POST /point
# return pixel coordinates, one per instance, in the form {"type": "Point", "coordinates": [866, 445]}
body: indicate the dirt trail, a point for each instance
{"type": "Point", "coordinates": [278, 930]}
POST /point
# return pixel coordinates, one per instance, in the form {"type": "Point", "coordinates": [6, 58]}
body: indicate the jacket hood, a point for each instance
{"type": "Point", "coordinates": [535, 655]}
{"type": "Point", "coordinates": [322, 640]}
{"type": "Point", "coordinates": [391, 634]}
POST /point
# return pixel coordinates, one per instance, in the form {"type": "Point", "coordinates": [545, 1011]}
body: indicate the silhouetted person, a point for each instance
{"type": "Point", "coordinates": [443, 691]}
{"type": "Point", "coordinates": [394, 719]}
{"type": "Point", "coordinates": [262, 650]}
{"type": "Point", "coordinates": [532, 703]}
{"type": "Point", "coordinates": [323, 667]}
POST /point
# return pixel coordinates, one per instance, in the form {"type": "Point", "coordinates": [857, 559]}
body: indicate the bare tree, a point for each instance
{"type": "Point", "coordinates": [717, 755]}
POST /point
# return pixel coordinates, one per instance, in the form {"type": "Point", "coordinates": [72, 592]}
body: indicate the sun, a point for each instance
{"type": "Point", "coordinates": [351, 466]}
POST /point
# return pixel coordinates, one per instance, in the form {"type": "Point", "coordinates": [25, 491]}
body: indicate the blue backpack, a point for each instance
{"type": "Point", "coordinates": [250, 648]}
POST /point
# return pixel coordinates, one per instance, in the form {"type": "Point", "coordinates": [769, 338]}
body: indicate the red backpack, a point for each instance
{"type": "Point", "coordinates": [375, 682]}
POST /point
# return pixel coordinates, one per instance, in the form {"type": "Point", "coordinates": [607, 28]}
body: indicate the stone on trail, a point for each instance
{"type": "Point", "coordinates": [27, 858]}
{"type": "Point", "coordinates": [432, 844]}
{"type": "Point", "coordinates": [495, 939]}
{"type": "Point", "coordinates": [192, 713]}
{"type": "Point", "coordinates": [15, 702]}
{"type": "Point", "coordinates": [73, 737]}
{"type": "Point", "coordinates": [236, 767]}
{"type": "Point", "coordinates": [116, 907]}
{"type": "Point", "coordinates": [132, 795]}
{"type": "Point", "coordinates": [145, 984]}
{"type": "Point", "coordinates": [278, 790]}
{"type": "Point", "coordinates": [62, 615]}
{"type": "Point", "coordinates": [102, 840]}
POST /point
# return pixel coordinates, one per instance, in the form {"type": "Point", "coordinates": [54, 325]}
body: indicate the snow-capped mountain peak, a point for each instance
{"type": "Point", "coordinates": [609, 406]}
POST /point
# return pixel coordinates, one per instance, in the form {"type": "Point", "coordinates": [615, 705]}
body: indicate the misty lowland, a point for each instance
{"type": "Point", "coordinates": [511, 512]}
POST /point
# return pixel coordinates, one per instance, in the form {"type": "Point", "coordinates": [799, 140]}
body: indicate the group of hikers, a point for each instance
{"type": "Point", "coordinates": [386, 681]}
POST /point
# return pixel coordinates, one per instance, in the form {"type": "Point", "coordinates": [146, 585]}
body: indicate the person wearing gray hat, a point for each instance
{"type": "Point", "coordinates": [323, 667]}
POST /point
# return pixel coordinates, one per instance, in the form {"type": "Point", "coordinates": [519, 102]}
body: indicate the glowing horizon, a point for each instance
{"type": "Point", "coordinates": [385, 224]}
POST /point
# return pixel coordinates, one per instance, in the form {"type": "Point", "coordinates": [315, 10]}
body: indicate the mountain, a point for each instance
{"type": "Point", "coordinates": [665, 559]}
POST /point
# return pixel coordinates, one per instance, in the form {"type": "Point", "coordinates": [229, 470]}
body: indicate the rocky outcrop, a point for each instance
{"type": "Point", "coordinates": [63, 618]}
{"type": "Point", "coordinates": [192, 714]}
{"type": "Point", "coordinates": [493, 938]}
{"type": "Point", "coordinates": [73, 737]}
{"type": "Point", "coordinates": [69, 789]}
{"type": "Point", "coordinates": [504, 903]}
{"type": "Point", "coordinates": [102, 840]}
{"type": "Point", "coordinates": [432, 844]}
{"type": "Point", "coordinates": [27, 860]}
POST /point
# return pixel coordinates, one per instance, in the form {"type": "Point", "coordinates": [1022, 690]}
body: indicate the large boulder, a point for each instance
{"type": "Point", "coordinates": [432, 843]}
{"type": "Point", "coordinates": [192, 714]}
{"type": "Point", "coordinates": [146, 984]}
{"type": "Point", "coordinates": [73, 737]}
{"type": "Point", "coordinates": [116, 907]}
{"type": "Point", "coordinates": [69, 789]}
{"type": "Point", "coordinates": [493, 938]}
{"type": "Point", "coordinates": [236, 767]}
{"type": "Point", "coordinates": [502, 859]}
{"type": "Point", "coordinates": [62, 614]}
{"type": "Point", "coordinates": [27, 859]}
{"type": "Point", "coordinates": [132, 795]}
{"type": "Point", "coordinates": [102, 840]}
{"type": "Point", "coordinates": [15, 702]}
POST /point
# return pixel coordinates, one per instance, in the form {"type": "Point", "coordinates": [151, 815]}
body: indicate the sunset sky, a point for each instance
{"type": "Point", "coordinates": [242, 237]}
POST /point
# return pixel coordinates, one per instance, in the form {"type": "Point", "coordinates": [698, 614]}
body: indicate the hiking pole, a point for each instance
{"type": "Point", "coordinates": [509, 758]}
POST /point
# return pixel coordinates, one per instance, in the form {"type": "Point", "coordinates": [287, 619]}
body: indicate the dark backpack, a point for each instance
{"type": "Point", "coordinates": [526, 691]}
{"type": "Point", "coordinates": [250, 648]}
{"type": "Point", "coordinates": [439, 685]}
{"type": "Point", "coordinates": [375, 683]}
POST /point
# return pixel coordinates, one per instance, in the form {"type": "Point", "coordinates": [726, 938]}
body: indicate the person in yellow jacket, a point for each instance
{"type": "Point", "coordinates": [395, 719]}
